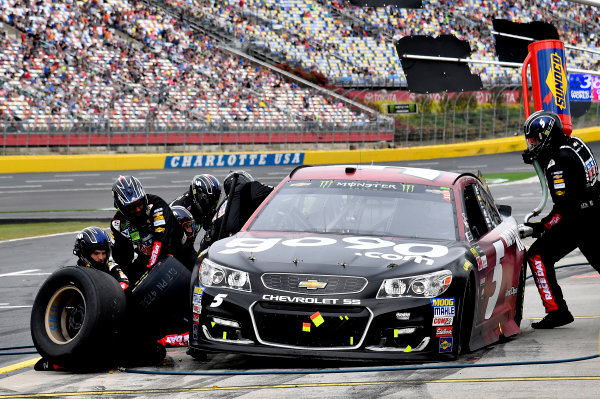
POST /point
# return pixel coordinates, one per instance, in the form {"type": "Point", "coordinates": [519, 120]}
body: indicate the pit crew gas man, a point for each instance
{"type": "Point", "coordinates": [571, 172]}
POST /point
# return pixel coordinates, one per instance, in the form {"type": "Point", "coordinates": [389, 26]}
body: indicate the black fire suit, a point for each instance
{"type": "Point", "coordinates": [246, 198]}
{"type": "Point", "coordinates": [572, 175]}
{"type": "Point", "coordinates": [141, 242]}
{"type": "Point", "coordinates": [111, 268]}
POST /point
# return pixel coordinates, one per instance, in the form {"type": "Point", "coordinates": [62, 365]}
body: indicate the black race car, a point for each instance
{"type": "Point", "coordinates": [363, 262]}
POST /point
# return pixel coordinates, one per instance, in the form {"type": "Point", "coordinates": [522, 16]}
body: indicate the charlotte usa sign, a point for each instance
{"type": "Point", "coordinates": [233, 160]}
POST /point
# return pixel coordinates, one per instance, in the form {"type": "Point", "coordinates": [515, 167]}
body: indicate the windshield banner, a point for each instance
{"type": "Point", "coordinates": [233, 160]}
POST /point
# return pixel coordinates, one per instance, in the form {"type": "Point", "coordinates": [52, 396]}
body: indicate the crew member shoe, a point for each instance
{"type": "Point", "coordinates": [553, 319]}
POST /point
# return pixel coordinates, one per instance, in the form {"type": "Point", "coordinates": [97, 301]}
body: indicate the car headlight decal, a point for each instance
{"type": "Point", "coordinates": [423, 286]}
{"type": "Point", "coordinates": [214, 275]}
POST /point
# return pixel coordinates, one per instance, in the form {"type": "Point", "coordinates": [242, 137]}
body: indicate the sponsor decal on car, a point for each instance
{"type": "Point", "coordinates": [402, 315]}
{"type": "Point", "coordinates": [315, 301]}
{"type": "Point", "coordinates": [445, 344]}
{"type": "Point", "coordinates": [480, 257]}
{"type": "Point", "coordinates": [443, 331]}
{"type": "Point", "coordinates": [442, 321]}
{"type": "Point", "coordinates": [197, 309]}
{"type": "Point", "coordinates": [416, 252]}
{"type": "Point", "coordinates": [511, 291]}
{"type": "Point", "coordinates": [443, 306]}
{"type": "Point", "coordinates": [195, 331]}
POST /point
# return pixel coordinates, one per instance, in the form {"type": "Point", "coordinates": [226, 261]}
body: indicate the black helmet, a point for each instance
{"type": "Point", "coordinates": [243, 177]}
{"type": "Point", "coordinates": [89, 240]}
{"type": "Point", "coordinates": [186, 220]}
{"type": "Point", "coordinates": [205, 191]}
{"type": "Point", "coordinates": [542, 130]}
{"type": "Point", "coordinates": [129, 195]}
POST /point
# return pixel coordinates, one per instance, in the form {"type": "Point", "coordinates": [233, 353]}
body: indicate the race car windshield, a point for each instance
{"type": "Point", "coordinates": [360, 208]}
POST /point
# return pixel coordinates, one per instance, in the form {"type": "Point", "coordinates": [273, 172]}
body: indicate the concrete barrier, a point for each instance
{"type": "Point", "coordinates": [100, 162]}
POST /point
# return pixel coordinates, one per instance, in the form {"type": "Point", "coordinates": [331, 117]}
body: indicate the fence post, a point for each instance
{"type": "Point", "coordinates": [454, 117]}
{"type": "Point", "coordinates": [467, 118]}
{"type": "Point", "coordinates": [422, 116]}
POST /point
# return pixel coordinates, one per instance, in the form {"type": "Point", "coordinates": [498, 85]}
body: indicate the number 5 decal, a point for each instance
{"type": "Point", "coordinates": [496, 279]}
{"type": "Point", "coordinates": [218, 300]}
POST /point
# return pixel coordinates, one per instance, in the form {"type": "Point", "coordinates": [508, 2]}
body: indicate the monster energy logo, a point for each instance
{"type": "Point", "coordinates": [326, 183]}
{"type": "Point", "coordinates": [408, 188]}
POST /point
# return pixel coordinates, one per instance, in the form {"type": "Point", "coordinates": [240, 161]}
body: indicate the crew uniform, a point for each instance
{"type": "Point", "coordinates": [246, 197]}
{"type": "Point", "coordinates": [571, 172]}
{"type": "Point", "coordinates": [94, 238]}
{"type": "Point", "coordinates": [142, 239]}
{"type": "Point", "coordinates": [201, 199]}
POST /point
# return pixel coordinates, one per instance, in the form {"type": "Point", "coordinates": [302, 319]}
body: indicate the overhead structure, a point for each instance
{"type": "Point", "coordinates": [428, 72]}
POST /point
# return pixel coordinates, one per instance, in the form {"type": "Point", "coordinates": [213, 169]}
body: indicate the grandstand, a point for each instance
{"type": "Point", "coordinates": [129, 66]}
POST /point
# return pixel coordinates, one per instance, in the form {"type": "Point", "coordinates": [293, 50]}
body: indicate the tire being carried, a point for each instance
{"type": "Point", "coordinates": [159, 304]}
{"type": "Point", "coordinates": [77, 316]}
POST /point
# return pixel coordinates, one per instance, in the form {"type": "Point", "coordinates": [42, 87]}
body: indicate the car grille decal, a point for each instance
{"type": "Point", "coordinates": [313, 283]}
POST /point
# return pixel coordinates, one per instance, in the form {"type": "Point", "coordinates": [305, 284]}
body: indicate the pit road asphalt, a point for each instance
{"type": "Point", "coordinates": [25, 264]}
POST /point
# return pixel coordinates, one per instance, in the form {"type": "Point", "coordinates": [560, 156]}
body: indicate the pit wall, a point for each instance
{"type": "Point", "coordinates": [239, 160]}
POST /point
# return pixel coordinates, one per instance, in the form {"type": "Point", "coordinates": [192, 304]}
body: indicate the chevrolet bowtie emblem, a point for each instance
{"type": "Point", "coordinates": [311, 284]}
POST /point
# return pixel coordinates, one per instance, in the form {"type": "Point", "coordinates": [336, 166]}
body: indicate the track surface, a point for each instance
{"type": "Point", "coordinates": [25, 264]}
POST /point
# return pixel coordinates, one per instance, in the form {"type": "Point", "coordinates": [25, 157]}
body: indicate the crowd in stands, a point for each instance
{"type": "Point", "coordinates": [353, 44]}
{"type": "Point", "coordinates": [127, 65]}
{"type": "Point", "coordinates": [130, 64]}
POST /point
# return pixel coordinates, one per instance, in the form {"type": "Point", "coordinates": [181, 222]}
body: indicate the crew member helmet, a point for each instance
{"type": "Point", "coordinates": [88, 241]}
{"type": "Point", "coordinates": [542, 129]}
{"type": "Point", "coordinates": [205, 191]}
{"type": "Point", "coordinates": [243, 177]}
{"type": "Point", "coordinates": [130, 197]}
{"type": "Point", "coordinates": [186, 220]}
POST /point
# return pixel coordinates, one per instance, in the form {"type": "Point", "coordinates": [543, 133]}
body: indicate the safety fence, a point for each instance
{"type": "Point", "coordinates": [447, 118]}
{"type": "Point", "coordinates": [435, 118]}
{"type": "Point", "coordinates": [12, 137]}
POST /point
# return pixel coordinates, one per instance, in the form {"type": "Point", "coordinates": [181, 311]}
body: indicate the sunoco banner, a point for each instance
{"type": "Point", "coordinates": [233, 160]}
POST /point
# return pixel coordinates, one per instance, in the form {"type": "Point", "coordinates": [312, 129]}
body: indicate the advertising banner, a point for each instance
{"type": "Point", "coordinates": [233, 160]}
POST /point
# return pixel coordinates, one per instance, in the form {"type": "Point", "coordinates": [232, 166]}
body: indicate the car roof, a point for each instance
{"type": "Point", "coordinates": [398, 174]}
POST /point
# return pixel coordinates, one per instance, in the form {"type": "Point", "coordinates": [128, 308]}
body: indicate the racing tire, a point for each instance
{"type": "Point", "coordinates": [465, 324]}
{"type": "Point", "coordinates": [159, 304]}
{"type": "Point", "coordinates": [77, 317]}
{"type": "Point", "coordinates": [520, 295]}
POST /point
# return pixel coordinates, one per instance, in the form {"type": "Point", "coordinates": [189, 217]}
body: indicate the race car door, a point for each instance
{"type": "Point", "coordinates": [494, 261]}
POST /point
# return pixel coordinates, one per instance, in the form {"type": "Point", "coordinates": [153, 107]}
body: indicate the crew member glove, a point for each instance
{"type": "Point", "coordinates": [538, 228]}
{"type": "Point", "coordinates": [527, 157]}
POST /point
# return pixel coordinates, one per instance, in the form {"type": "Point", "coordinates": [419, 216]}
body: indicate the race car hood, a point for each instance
{"type": "Point", "coordinates": [262, 252]}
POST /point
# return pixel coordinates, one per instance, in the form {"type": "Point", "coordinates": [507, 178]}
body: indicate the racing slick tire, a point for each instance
{"type": "Point", "coordinates": [520, 295]}
{"type": "Point", "coordinates": [77, 317]}
{"type": "Point", "coordinates": [465, 323]}
{"type": "Point", "coordinates": [159, 304]}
